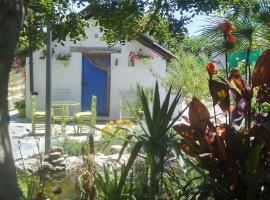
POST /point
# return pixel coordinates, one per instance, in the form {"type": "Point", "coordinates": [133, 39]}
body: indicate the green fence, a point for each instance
{"type": "Point", "coordinates": [235, 58]}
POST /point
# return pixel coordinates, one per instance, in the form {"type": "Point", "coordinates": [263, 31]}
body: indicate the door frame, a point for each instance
{"type": "Point", "coordinates": [108, 70]}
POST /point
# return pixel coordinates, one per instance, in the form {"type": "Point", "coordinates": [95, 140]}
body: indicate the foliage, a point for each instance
{"type": "Point", "coordinates": [193, 45]}
{"type": "Point", "coordinates": [125, 20]}
{"type": "Point", "coordinates": [112, 134]}
{"type": "Point", "coordinates": [74, 147]}
{"type": "Point", "coordinates": [133, 56]}
{"type": "Point", "coordinates": [59, 15]}
{"type": "Point", "coordinates": [154, 138]}
{"type": "Point", "coordinates": [181, 183]}
{"type": "Point", "coordinates": [113, 126]}
{"type": "Point", "coordinates": [251, 32]}
{"type": "Point", "coordinates": [20, 104]}
{"type": "Point", "coordinates": [235, 154]}
{"type": "Point", "coordinates": [107, 183]}
{"type": "Point", "coordinates": [215, 37]}
{"type": "Point", "coordinates": [63, 57]}
{"type": "Point", "coordinates": [30, 186]}
{"type": "Point", "coordinates": [188, 73]}
{"type": "Point", "coordinates": [86, 177]}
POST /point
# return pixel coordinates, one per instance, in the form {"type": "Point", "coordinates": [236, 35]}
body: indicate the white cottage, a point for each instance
{"type": "Point", "coordinates": [90, 67]}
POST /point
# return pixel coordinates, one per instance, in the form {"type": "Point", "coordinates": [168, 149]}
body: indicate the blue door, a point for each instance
{"type": "Point", "coordinates": [95, 81]}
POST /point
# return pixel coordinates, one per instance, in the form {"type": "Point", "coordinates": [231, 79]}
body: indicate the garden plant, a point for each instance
{"type": "Point", "coordinates": [210, 155]}
{"type": "Point", "coordinates": [234, 152]}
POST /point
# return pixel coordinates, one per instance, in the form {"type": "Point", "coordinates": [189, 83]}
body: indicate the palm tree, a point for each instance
{"type": "Point", "coordinates": [251, 31]}
{"type": "Point", "coordinates": [247, 32]}
{"type": "Point", "coordinates": [216, 38]}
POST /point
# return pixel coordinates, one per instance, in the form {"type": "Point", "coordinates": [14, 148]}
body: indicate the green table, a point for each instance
{"type": "Point", "coordinates": [64, 115]}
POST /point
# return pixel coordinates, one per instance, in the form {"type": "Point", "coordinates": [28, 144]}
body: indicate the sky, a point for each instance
{"type": "Point", "coordinates": [197, 24]}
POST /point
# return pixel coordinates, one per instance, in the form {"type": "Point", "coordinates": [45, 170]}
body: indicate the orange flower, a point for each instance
{"type": "Point", "coordinates": [230, 38]}
{"type": "Point", "coordinates": [227, 26]}
{"type": "Point", "coordinates": [232, 28]}
{"type": "Point", "coordinates": [211, 68]}
{"type": "Point", "coordinates": [224, 25]}
{"type": "Point", "coordinates": [222, 130]}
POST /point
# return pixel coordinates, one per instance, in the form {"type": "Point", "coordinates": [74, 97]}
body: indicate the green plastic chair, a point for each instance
{"type": "Point", "coordinates": [57, 117]}
{"type": "Point", "coordinates": [37, 116]}
{"type": "Point", "coordinates": [87, 118]}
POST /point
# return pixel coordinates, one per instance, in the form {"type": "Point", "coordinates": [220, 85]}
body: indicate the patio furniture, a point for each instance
{"type": "Point", "coordinates": [61, 94]}
{"type": "Point", "coordinates": [37, 116]}
{"type": "Point", "coordinates": [61, 113]}
{"type": "Point", "coordinates": [87, 118]}
{"type": "Point", "coordinates": [125, 111]}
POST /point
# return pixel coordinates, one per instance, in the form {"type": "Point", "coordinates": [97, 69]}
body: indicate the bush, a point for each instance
{"type": "Point", "coordinates": [20, 104]}
{"type": "Point", "coordinates": [188, 73]}
{"type": "Point", "coordinates": [74, 147]}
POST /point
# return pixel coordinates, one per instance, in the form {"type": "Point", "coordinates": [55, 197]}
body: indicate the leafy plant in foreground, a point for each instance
{"type": "Point", "coordinates": [182, 70]}
{"type": "Point", "coordinates": [154, 139]}
{"type": "Point", "coordinates": [107, 183]}
{"type": "Point", "coordinates": [234, 154]}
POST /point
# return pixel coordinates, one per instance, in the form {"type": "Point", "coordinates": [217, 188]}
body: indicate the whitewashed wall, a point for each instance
{"type": "Point", "coordinates": [123, 77]}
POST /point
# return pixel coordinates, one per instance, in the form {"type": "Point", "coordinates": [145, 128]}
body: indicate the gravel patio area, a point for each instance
{"type": "Point", "coordinates": [19, 130]}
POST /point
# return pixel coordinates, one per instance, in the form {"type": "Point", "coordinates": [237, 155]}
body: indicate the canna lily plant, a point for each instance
{"type": "Point", "coordinates": [234, 154]}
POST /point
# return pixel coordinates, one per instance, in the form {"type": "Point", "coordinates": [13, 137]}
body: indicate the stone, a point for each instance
{"type": "Point", "coordinates": [57, 190]}
{"type": "Point", "coordinates": [30, 164]}
{"type": "Point", "coordinates": [58, 161]}
{"type": "Point", "coordinates": [73, 161]}
{"type": "Point", "coordinates": [63, 164]}
{"type": "Point", "coordinates": [47, 166]}
{"type": "Point", "coordinates": [59, 169]}
{"type": "Point", "coordinates": [116, 149]}
{"type": "Point", "coordinates": [57, 149]}
{"type": "Point", "coordinates": [46, 158]}
{"type": "Point", "coordinates": [54, 155]}
{"type": "Point", "coordinates": [99, 154]}
{"type": "Point", "coordinates": [65, 155]}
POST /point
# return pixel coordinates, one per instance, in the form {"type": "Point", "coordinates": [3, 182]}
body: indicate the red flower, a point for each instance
{"type": "Point", "coordinates": [230, 38]}
{"type": "Point", "coordinates": [211, 68]}
{"type": "Point", "coordinates": [132, 56]}
{"type": "Point", "coordinates": [152, 55]}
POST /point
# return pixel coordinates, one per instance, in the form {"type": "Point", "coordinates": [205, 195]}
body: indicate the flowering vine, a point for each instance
{"type": "Point", "coordinates": [139, 55]}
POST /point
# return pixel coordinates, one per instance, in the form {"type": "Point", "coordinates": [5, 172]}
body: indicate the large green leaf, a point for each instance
{"type": "Point", "coordinates": [253, 159]}
{"type": "Point", "coordinates": [156, 103]}
{"type": "Point", "coordinates": [134, 153]}
{"type": "Point", "coordinates": [146, 111]}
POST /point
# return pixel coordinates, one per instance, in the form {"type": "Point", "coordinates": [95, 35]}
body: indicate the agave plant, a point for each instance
{"type": "Point", "coordinates": [107, 182]}
{"type": "Point", "coordinates": [154, 139]}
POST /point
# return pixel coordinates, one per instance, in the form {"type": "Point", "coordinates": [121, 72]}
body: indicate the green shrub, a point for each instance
{"type": "Point", "coordinates": [20, 104]}
{"type": "Point", "coordinates": [75, 147]}
{"type": "Point", "coordinates": [188, 74]}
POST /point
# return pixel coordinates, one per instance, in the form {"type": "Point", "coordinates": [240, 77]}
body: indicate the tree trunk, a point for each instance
{"type": "Point", "coordinates": [12, 14]}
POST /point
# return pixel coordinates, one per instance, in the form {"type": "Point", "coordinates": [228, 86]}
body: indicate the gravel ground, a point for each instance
{"type": "Point", "coordinates": [20, 128]}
